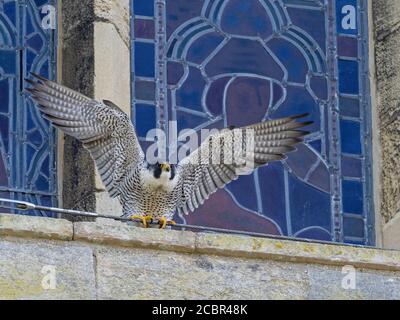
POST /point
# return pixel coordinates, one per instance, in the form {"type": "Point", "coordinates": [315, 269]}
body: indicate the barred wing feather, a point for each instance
{"type": "Point", "coordinates": [225, 156]}
{"type": "Point", "coordinates": [103, 128]}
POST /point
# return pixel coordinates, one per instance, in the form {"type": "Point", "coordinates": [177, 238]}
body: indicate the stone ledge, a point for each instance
{"type": "Point", "coordinates": [119, 234]}
{"type": "Point", "coordinates": [35, 227]}
{"type": "Point", "coordinates": [237, 246]}
{"type": "Point", "coordinates": [130, 236]}
{"type": "Point", "coordinates": [298, 251]}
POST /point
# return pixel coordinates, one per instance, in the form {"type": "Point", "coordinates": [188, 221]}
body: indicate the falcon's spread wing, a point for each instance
{"type": "Point", "coordinates": [105, 130]}
{"type": "Point", "coordinates": [223, 157]}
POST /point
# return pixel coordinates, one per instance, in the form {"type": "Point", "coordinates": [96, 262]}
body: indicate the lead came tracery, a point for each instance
{"type": "Point", "coordinates": [232, 62]}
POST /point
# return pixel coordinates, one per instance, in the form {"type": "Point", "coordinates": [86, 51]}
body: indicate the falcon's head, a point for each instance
{"type": "Point", "coordinates": [159, 175]}
{"type": "Point", "coordinates": [162, 171]}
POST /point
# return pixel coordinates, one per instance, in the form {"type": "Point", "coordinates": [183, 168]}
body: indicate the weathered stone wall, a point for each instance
{"type": "Point", "coordinates": [386, 20]}
{"type": "Point", "coordinates": [386, 40]}
{"type": "Point", "coordinates": [77, 67]}
{"type": "Point", "coordinates": [111, 260]}
{"type": "Point", "coordinates": [95, 41]}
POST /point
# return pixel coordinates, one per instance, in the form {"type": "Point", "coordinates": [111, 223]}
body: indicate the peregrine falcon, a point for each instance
{"type": "Point", "coordinates": [155, 191]}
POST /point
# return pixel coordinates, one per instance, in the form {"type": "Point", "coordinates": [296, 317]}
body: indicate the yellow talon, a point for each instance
{"type": "Point", "coordinates": [145, 219]}
{"type": "Point", "coordinates": [163, 222]}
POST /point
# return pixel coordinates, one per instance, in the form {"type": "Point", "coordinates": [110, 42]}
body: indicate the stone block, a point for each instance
{"type": "Point", "coordinates": [24, 266]}
{"type": "Point", "coordinates": [128, 235]}
{"type": "Point", "coordinates": [35, 227]}
{"type": "Point", "coordinates": [146, 274]}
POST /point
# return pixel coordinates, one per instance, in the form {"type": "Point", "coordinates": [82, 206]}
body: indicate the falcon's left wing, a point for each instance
{"type": "Point", "coordinates": [103, 128]}
{"type": "Point", "coordinates": [225, 156]}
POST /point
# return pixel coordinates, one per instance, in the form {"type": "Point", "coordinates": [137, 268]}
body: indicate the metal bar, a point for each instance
{"type": "Point", "coordinates": [25, 206]}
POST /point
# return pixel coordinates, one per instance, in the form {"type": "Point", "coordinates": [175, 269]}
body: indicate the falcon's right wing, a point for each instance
{"type": "Point", "coordinates": [225, 156]}
{"type": "Point", "coordinates": [103, 128]}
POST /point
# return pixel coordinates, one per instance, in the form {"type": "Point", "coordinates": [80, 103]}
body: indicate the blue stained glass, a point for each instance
{"type": "Point", "coordinates": [301, 160]}
{"type": "Point", "coordinates": [30, 60]}
{"type": "Point", "coordinates": [45, 169]}
{"type": "Point", "coordinates": [188, 121]}
{"type": "Point", "coordinates": [232, 62]}
{"type": "Point", "coordinates": [3, 174]}
{"type": "Point", "coordinates": [353, 227]}
{"type": "Point", "coordinates": [30, 166]}
{"type": "Point", "coordinates": [175, 72]}
{"type": "Point", "coordinates": [202, 47]}
{"type": "Point", "coordinates": [352, 197]}
{"type": "Point", "coordinates": [145, 90]}
{"type": "Point", "coordinates": [271, 179]}
{"type": "Point", "coordinates": [4, 95]}
{"type": "Point", "coordinates": [10, 11]}
{"type": "Point", "coordinates": [351, 167]}
{"type": "Point", "coordinates": [30, 151]}
{"type": "Point", "coordinates": [299, 101]}
{"type": "Point", "coordinates": [277, 94]}
{"type": "Point", "coordinates": [221, 204]}
{"type": "Point", "coordinates": [35, 138]}
{"type": "Point", "coordinates": [179, 12]}
{"type": "Point", "coordinates": [4, 130]}
{"type": "Point", "coordinates": [30, 123]}
{"type": "Point", "coordinates": [35, 42]}
{"type": "Point", "coordinates": [350, 132]}
{"type": "Point", "coordinates": [8, 61]}
{"type": "Point", "coordinates": [320, 178]}
{"type": "Point", "coordinates": [244, 56]}
{"type": "Point", "coordinates": [316, 145]}
{"type": "Point", "coordinates": [45, 70]}
{"type": "Point", "coordinates": [144, 64]}
{"type": "Point", "coordinates": [253, 21]}
{"type": "Point", "coordinates": [312, 22]}
{"type": "Point", "coordinates": [249, 198]}
{"type": "Point", "coordinates": [348, 47]}
{"type": "Point", "coordinates": [145, 118]}
{"type": "Point", "coordinates": [42, 183]}
{"type": "Point", "coordinates": [348, 77]}
{"type": "Point", "coordinates": [346, 16]}
{"type": "Point", "coordinates": [39, 3]}
{"type": "Point", "coordinates": [319, 87]}
{"type": "Point", "coordinates": [246, 101]}
{"type": "Point", "coordinates": [30, 28]}
{"type": "Point", "coordinates": [215, 95]}
{"type": "Point", "coordinates": [143, 7]}
{"type": "Point", "coordinates": [308, 206]}
{"type": "Point", "coordinates": [349, 107]}
{"type": "Point", "coordinates": [190, 93]}
{"type": "Point", "coordinates": [144, 29]}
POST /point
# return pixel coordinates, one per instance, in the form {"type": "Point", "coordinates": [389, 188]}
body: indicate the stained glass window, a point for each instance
{"type": "Point", "coordinates": [216, 63]}
{"type": "Point", "coordinates": [27, 142]}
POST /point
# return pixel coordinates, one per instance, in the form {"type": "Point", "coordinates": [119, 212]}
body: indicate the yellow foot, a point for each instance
{"type": "Point", "coordinates": [163, 222]}
{"type": "Point", "coordinates": [145, 219]}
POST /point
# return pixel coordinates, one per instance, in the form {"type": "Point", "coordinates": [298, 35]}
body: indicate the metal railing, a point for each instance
{"type": "Point", "coordinates": [26, 206]}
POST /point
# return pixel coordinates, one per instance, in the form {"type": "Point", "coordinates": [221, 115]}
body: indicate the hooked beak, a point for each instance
{"type": "Point", "coordinates": [166, 167]}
